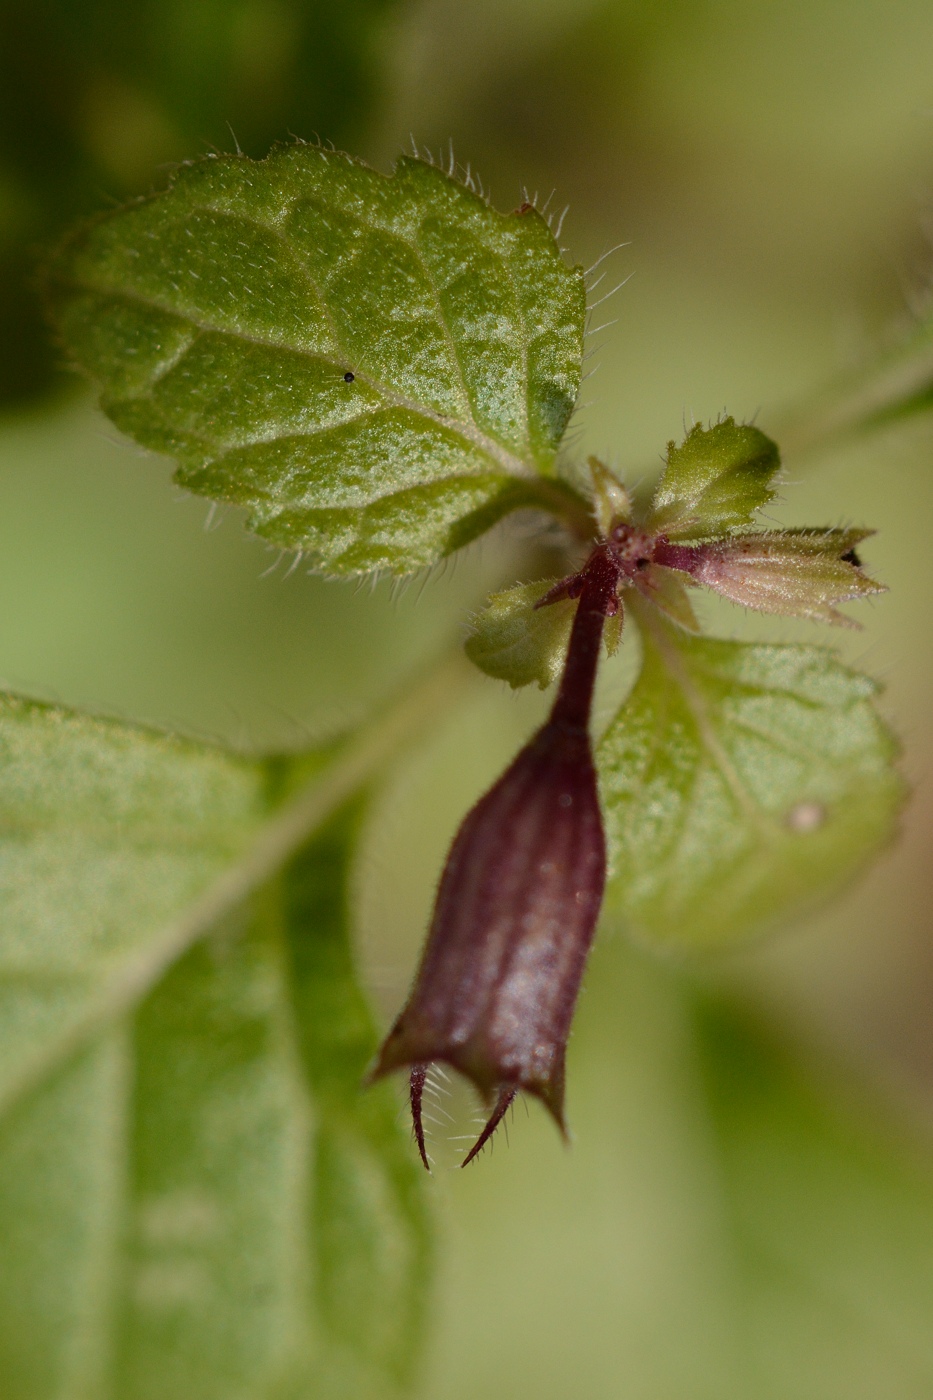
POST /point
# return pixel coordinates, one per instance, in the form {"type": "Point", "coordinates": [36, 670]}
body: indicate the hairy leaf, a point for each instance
{"type": "Point", "coordinates": [368, 1214]}
{"type": "Point", "coordinates": [714, 481]}
{"type": "Point", "coordinates": [377, 367]}
{"type": "Point", "coordinates": [108, 834]}
{"type": "Point", "coordinates": [519, 643]}
{"type": "Point", "coordinates": [190, 1204]}
{"type": "Point", "coordinates": [739, 783]}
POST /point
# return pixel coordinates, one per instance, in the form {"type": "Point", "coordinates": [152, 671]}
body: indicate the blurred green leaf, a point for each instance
{"type": "Point", "coordinates": [714, 481]}
{"type": "Point", "coordinates": [738, 1219]}
{"type": "Point", "coordinates": [518, 643]}
{"type": "Point", "coordinates": [196, 1196]}
{"type": "Point", "coordinates": [95, 97]}
{"type": "Point", "coordinates": [208, 1261]}
{"type": "Point", "coordinates": [368, 1211]}
{"type": "Point", "coordinates": [739, 783]}
{"type": "Point", "coordinates": [826, 1219]}
{"type": "Point", "coordinates": [108, 835]}
{"type": "Point", "coordinates": [378, 368]}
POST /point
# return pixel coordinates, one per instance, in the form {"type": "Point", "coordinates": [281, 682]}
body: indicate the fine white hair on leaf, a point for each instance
{"type": "Point", "coordinates": [299, 555]}
{"type": "Point", "coordinates": [603, 327]}
{"type": "Point", "coordinates": [603, 256]}
{"type": "Point", "coordinates": [275, 564]}
{"type": "Point", "coordinates": [397, 587]}
{"type": "Point", "coordinates": [606, 295]}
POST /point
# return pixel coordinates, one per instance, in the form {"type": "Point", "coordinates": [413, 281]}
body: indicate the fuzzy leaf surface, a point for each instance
{"type": "Point", "coordinates": [108, 834]}
{"type": "Point", "coordinates": [377, 368]}
{"type": "Point", "coordinates": [516, 642]}
{"type": "Point", "coordinates": [739, 783]}
{"type": "Point", "coordinates": [714, 481]}
{"type": "Point", "coordinates": [189, 1204]}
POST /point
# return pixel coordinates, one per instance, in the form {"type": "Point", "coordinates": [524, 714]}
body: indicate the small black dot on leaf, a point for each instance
{"type": "Point", "coordinates": [850, 557]}
{"type": "Point", "coordinates": [349, 377]}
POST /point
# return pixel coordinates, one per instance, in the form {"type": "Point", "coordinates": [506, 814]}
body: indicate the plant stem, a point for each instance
{"type": "Point", "coordinates": [597, 599]}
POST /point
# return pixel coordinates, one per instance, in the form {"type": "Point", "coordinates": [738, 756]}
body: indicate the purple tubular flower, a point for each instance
{"type": "Point", "coordinates": [517, 905]}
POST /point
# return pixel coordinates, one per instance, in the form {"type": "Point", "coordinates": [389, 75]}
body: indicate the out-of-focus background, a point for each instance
{"type": "Point", "coordinates": [768, 169]}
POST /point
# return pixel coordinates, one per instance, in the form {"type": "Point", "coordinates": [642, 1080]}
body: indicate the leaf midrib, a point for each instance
{"type": "Point", "coordinates": [411, 242]}
{"type": "Point", "coordinates": [467, 429]}
{"type": "Point", "coordinates": [274, 844]}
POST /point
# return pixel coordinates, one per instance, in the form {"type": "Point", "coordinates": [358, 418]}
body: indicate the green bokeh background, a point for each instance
{"type": "Point", "coordinates": [768, 168]}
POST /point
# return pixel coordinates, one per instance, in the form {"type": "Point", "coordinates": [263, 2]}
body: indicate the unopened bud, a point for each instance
{"type": "Point", "coordinates": [796, 573]}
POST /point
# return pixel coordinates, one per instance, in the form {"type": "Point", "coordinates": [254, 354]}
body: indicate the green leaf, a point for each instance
{"type": "Point", "coordinates": [739, 783]}
{"type": "Point", "coordinates": [223, 318]}
{"type": "Point", "coordinates": [782, 1231]}
{"type": "Point", "coordinates": [368, 1214]}
{"type": "Point", "coordinates": [827, 1224]}
{"type": "Point", "coordinates": [516, 642]}
{"type": "Point", "coordinates": [611, 502]}
{"type": "Point", "coordinates": [60, 1179]}
{"type": "Point", "coordinates": [207, 1271]}
{"type": "Point", "coordinates": [108, 835]}
{"type": "Point", "coordinates": [715, 481]}
{"type": "Point", "coordinates": [196, 1196]}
